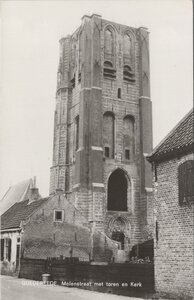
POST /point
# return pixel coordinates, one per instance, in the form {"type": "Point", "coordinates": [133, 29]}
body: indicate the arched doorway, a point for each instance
{"type": "Point", "coordinates": [119, 237]}
{"type": "Point", "coordinates": [117, 191]}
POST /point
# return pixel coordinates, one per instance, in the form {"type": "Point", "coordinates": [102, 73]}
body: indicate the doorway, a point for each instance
{"type": "Point", "coordinates": [119, 237]}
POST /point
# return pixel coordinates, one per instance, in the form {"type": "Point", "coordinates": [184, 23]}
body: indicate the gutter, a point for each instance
{"type": "Point", "coordinates": [10, 229]}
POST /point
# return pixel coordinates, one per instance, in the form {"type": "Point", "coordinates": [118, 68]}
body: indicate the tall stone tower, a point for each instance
{"type": "Point", "coordinates": [103, 127]}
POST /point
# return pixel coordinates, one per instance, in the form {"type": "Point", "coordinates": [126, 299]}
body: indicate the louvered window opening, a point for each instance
{"type": "Point", "coordinates": [109, 71]}
{"type": "Point", "coordinates": [128, 74]}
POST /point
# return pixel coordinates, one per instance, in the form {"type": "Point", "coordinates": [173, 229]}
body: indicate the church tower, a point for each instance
{"type": "Point", "coordinates": [103, 127]}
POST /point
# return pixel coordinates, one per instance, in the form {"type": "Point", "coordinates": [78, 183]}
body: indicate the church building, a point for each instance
{"type": "Point", "coordinates": [103, 127]}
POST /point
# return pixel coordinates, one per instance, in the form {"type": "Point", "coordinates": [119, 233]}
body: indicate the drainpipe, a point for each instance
{"type": "Point", "coordinates": [21, 240]}
{"type": "Point", "coordinates": [92, 240]}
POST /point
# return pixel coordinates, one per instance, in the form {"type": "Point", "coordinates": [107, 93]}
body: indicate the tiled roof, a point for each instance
{"type": "Point", "coordinates": [15, 193]}
{"type": "Point", "coordinates": [20, 211]}
{"type": "Point", "coordinates": [180, 139]}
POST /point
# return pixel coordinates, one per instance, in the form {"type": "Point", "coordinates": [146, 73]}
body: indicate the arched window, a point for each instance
{"type": "Point", "coordinates": [109, 45]}
{"type": "Point", "coordinates": [108, 134]}
{"type": "Point", "coordinates": [127, 46]}
{"type": "Point", "coordinates": [128, 138]}
{"type": "Point", "coordinates": [109, 71]}
{"type": "Point", "coordinates": [185, 182]}
{"type": "Point", "coordinates": [128, 74]}
{"type": "Point", "coordinates": [108, 42]}
{"type": "Point", "coordinates": [117, 191]}
{"type": "Point", "coordinates": [108, 64]}
{"type": "Point", "coordinates": [128, 58]}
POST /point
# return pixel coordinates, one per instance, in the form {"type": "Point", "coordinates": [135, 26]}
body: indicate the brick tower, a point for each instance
{"type": "Point", "coordinates": [103, 127]}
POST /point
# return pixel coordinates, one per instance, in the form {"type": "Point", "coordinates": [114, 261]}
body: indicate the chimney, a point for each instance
{"type": "Point", "coordinates": [33, 192]}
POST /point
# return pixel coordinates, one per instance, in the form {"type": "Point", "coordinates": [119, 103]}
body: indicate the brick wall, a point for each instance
{"type": "Point", "coordinates": [174, 250]}
{"type": "Point", "coordinates": [43, 237]}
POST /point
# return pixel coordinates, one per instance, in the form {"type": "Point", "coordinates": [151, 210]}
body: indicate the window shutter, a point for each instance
{"type": "Point", "coordinates": [190, 178]}
{"type": "Point", "coordinates": [186, 181]}
{"type": "Point", "coordinates": [9, 249]}
{"type": "Point", "coordinates": [2, 249]}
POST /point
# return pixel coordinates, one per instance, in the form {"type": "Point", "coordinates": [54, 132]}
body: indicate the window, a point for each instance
{"type": "Point", "coordinates": [107, 151]}
{"type": "Point", "coordinates": [127, 46]}
{"type": "Point", "coordinates": [109, 133]}
{"type": "Point", "coordinates": [2, 249]}
{"type": "Point", "coordinates": [157, 231]}
{"type": "Point", "coordinates": [128, 74]}
{"type": "Point", "coordinates": [77, 133]}
{"type": "Point", "coordinates": [109, 71]}
{"type": "Point", "coordinates": [128, 137]}
{"type": "Point", "coordinates": [119, 93]}
{"type": "Point", "coordinates": [108, 42]}
{"type": "Point", "coordinates": [127, 154]}
{"type": "Point", "coordinates": [109, 53]}
{"type": "Point", "coordinates": [185, 182]}
{"type": "Point", "coordinates": [128, 51]}
{"type": "Point", "coordinates": [58, 215]}
{"type": "Point", "coordinates": [8, 249]}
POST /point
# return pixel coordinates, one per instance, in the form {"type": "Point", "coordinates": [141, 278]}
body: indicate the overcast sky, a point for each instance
{"type": "Point", "coordinates": [30, 33]}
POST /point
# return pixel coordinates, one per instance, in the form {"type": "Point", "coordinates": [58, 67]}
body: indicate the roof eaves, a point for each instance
{"type": "Point", "coordinates": [149, 157]}
{"type": "Point", "coordinates": [165, 155]}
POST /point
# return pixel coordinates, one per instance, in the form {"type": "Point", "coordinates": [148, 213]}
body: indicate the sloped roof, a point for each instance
{"type": "Point", "coordinates": [178, 141]}
{"type": "Point", "coordinates": [20, 211]}
{"type": "Point", "coordinates": [15, 193]}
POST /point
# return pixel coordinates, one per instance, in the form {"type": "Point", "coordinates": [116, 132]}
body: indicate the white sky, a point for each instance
{"type": "Point", "coordinates": [30, 32]}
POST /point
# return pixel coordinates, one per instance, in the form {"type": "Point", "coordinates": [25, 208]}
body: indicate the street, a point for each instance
{"type": "Point", "coordinates": [13, 288]}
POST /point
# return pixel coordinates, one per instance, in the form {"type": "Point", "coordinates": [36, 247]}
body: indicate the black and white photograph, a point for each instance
{"type": "Point", "coordinates": [96, 156]}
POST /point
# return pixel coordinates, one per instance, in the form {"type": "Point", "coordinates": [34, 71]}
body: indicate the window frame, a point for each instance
{"type": "Point", "coordinates": [127, 157]}
{"type": "Point", "coordinates": [62, 215]}
{"type": "Point", "coordinates": [107, 148]}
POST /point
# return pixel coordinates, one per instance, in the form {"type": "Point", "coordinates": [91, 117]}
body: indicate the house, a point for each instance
{"type": "Point", "coordinates": [49, 227]}
{"type": "Point", "coordinates": [173, 171]}
{"type": "Point", "coordinates": [11, 224]}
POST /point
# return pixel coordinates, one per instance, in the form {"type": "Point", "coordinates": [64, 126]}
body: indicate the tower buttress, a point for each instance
{"type": "Point", "coordinates": [60, 143]}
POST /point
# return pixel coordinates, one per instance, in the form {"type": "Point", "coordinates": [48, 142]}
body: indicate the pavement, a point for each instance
{"type": "Point", "coordinates": [13, 288]}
